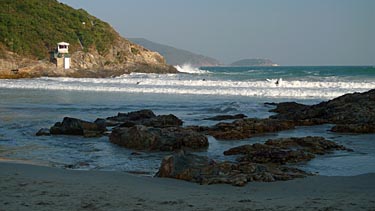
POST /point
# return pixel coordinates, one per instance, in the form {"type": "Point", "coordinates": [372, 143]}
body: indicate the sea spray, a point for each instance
{"type": "Point", "coordinates": [188, 68]}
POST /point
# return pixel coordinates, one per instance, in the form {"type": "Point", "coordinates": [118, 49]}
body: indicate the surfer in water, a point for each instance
{"type": "Point", "coordinates": [277, 82]}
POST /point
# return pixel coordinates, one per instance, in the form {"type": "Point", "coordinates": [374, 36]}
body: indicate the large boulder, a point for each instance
{"type": "Point", "coordinates": [246, 128]}
{"type": "Point", "coordinates": [285, 150]}
{"type": "Point", "coordinates": [73, 126]}
{"type": "Point", "coordinates": [140, 137]}
{"type": "Point", "coordinates": [201, 169]}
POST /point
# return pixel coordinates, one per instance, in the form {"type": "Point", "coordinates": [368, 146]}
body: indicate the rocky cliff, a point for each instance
{"type": "Point", "coordinates": [32, 28]}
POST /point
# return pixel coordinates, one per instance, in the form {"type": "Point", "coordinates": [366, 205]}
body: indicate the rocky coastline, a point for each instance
{"type": "Point", "coordinates": [272, 161]}
{"type": "Point", "coordinates": [96, 49]}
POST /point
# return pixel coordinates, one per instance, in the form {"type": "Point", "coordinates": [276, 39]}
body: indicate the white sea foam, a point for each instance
{"type": "Point", "coordinates": [188, 68]}
{"type": "Point", "coordinates": [174, 84]}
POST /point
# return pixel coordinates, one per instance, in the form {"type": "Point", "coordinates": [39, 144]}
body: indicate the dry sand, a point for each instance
{"type": "Point", "coordinates": [28, 187]}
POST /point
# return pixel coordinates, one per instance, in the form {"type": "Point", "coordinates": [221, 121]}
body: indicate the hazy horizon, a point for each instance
{"type": "Point", "coordinates": [289, 32]}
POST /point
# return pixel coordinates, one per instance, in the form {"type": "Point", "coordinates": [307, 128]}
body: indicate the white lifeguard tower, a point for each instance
{"type": "Point", "coordinates": [61, 55]}
{"type": "Point", "coordinates": [63, 47]}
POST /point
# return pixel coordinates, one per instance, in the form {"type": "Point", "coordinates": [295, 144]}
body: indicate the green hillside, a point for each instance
{"type": "Point", "coordinates": [33, 27]}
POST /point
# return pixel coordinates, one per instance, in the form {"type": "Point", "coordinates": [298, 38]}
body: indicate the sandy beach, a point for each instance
{"type": "Point", "coordinates": [29, 187]}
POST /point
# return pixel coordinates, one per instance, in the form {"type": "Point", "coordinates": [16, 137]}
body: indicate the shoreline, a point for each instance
{"type": "Point", "coordinates": [29, 187]}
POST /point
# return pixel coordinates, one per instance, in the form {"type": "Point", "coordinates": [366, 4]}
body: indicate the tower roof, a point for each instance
{"type": "Point", "coordinates": [62, 43]}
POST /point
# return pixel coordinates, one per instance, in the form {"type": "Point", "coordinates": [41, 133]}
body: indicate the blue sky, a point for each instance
{"type": "Point", "coordinates": [290, 32]}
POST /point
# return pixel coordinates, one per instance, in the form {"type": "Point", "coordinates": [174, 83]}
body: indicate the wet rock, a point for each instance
{"type": "Point", "coordinates": [356, 111]}
{"type": "Point", "coordinates": [163, 121]}
{"type": "Point", "coordinates": [203, 170]}
{"type": "Point", "coordinates": [246, 128]}
{"type": "Point", "coordinates": [354, 128]}
{"type": "Point", "coordinates": [140, 137]}
{"type": "Point", "coordinates": [43, 132]}
{"type": "Point", "coordinates": [287, 107]}
{"type": "Point", "coordinates": [285, 150]}
{"type": "Point", "coordinates": [73, 126]}
{"type": "Point", "coordinates": [144, 117]}
{"type": "Point", "coordinates": [226, 117]}
{"type": "Point", "coordinates": [133, 116]}
{"type": "Point", "coordinates": [313, 144]}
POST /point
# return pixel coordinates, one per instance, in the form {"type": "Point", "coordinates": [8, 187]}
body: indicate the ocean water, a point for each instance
{"type": "Point", "coordinates": [26, 105]}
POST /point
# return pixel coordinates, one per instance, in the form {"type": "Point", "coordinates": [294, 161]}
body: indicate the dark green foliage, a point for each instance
{"type": "Point", "coordinates": [33, 27]}
{"type": "Point", "coordinates": [135, 51]}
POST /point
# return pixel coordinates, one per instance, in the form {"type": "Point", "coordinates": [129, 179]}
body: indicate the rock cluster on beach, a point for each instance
{"type": "Point", "coordinates": [145, 131]}
{"type": "Point", "coordinates": [260, 162]}
{"type": "Point", "coordinates": [203, 170]}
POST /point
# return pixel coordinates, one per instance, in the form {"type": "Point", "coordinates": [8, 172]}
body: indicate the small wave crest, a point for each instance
{"type": "Point", "coordinates": [188, 68]}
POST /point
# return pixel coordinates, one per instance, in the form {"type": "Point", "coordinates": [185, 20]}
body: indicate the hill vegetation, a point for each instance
{"type": "Point", "coordinates": [32, 27]}
{"type": "Point", "coordinates": [176, 56]}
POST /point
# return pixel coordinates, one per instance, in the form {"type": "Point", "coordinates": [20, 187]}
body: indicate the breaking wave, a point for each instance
{"type": "Point", "coordinates": [187, 68]}
{"type": "Point", "coordinates": [175, 84]}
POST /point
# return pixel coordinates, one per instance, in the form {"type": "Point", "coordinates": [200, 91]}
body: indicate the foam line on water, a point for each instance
{"type": "Point", "coordinates": [172, 84]}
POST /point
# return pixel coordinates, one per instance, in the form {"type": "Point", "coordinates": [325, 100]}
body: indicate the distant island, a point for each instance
{"type": "Point", "coordinates": [175, 56]}
{"type": "Point", "coordinates": [30, 31]}
{"type": "Point", "coordinates": [253, 62]}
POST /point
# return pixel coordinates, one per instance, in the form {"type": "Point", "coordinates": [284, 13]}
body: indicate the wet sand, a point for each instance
{"type": "Point", "coordinates": [29, 187]}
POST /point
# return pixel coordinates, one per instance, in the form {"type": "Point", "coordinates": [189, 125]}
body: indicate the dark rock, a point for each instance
{"type": "Point", "coordinates": [43, 132]}
{"type": "Point", "coordinates": [354, 128]}
{"type": "Point", "coordinates": [145, 117]}
{"type": "Point", "coordinates": [285, 150]}
{"type": "Point", "coordinates": [73, 126]}
{"type": "Point", "coordinates": [313, 144]}
{"type": "Point", "coordinates": [203, 170]}
{"type": "Point", "coordinates": [356, 111]}
{"type": "Point", "coordinates": [246, 128]}
{"type": "Point", "coordinates": [163, 121]}
{"type": "Point", "coordinates": [287, 107]}
{"type": "Point", "coordinates": [226, 117]}
{"type": "Point", "coordinates": [140, 137]}
{"type": "Point", "coordinates": [133, 116]}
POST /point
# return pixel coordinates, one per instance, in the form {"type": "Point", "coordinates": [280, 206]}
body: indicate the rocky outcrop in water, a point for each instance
{"type": "Point", "coordinates": [143, 130]}
{"type": "Point", "coordinates": [143, 117]}
{"type": "Point", "coordinates": [246, 128]}
{"type": "Point", "coordinates": [285, 150]}
{"type": "Point", "coordinates": [351, 112]}
{"type": "Point", "coordinates": [73, 126]}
